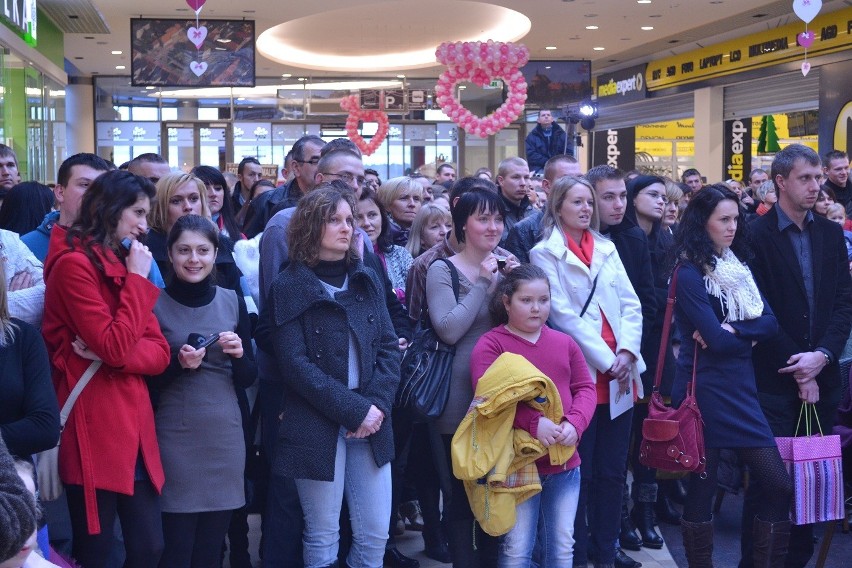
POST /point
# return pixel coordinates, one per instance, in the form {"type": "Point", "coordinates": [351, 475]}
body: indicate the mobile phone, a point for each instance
{"type": "Point", "coordinates": [126, 242]}
{"type": "Point", "coordinates": [203, 342]}
{"type": "Point", "coordinates": [501, 262]}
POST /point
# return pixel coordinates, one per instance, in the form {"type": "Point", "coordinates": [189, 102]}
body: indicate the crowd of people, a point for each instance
{"type": "Point", "coordinates": [244, 343]}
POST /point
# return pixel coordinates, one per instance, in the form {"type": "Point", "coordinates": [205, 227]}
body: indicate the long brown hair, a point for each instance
{"type": "Point", "coordinates": [315, 209]}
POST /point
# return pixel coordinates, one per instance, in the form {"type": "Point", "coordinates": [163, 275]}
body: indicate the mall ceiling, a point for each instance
{"type": "Point", "coordinates": [97, 32]}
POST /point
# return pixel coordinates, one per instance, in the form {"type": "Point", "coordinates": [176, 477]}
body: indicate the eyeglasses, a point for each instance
{"type": "Point", "coordinates": [654, 195]}
{"type": "Point", "coordinates": [347, 177]}
{"type": "Point", "coordinates": [313, 161]}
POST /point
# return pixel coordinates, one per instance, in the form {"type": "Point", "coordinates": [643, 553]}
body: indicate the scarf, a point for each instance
{"type": "Point", "coordinates": [731, 281]}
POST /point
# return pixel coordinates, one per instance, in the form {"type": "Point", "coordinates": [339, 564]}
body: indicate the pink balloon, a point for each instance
{"type": "Point", "coordinates": [196, 4]}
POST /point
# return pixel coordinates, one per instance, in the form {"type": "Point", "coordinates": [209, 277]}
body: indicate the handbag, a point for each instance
{"type": "Point", "coordinates": [815, 466]}
{"type": "Point", "coordinates": [673, 438]}
{"type": "Point", "coordinates": [427, 366]}
{"type": "Point", "coordinates": [47, 463]}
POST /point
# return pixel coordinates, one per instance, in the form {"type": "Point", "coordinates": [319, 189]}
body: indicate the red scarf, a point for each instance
{"type": "Point", "coordinates": [584, 250]}
{"type": "Point", "coordinates": [763, 209]}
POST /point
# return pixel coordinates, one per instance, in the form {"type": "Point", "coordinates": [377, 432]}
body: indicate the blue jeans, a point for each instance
{"type": "Point", "coordinates": [367, 489]}
{"type": "Point", "coordinates": [549, 517]}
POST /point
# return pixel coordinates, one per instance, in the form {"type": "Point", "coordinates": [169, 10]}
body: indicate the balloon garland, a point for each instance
{"type": "Point", "coordinates": [356, 114]}
{"type": "Point", "coordinates": [480, 62]}
{"type": "Point", "coordinates": [806, 10]}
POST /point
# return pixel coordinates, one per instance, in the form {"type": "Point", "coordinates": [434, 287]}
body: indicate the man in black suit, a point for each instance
{"type": "Point", "coordinates": [801, 267]}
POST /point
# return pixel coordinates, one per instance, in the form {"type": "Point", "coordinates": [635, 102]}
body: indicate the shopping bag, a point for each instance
{"type": "Point", "coordinates": [815, 465]}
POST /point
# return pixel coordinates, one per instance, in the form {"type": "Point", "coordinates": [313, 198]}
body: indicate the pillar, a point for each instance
{"type": "Point", "coordinates": [709, 132]}
{"type": "Point", "coordinates": [80, 115]}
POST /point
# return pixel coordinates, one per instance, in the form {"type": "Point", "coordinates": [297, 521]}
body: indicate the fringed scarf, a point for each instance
{"type": "Point", "coordinates": [731, 281]}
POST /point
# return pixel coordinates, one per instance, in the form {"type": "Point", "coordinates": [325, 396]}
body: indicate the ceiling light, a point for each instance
{"type": "Point", "coordinates": [117, 52]}
{"type": "Point", "coordinates": [462, 87]}
{"type": "Point", "coordinates": [647, 28]}
{"type": "Point", "coordinates": [150, 88]}
{"type": "Point", "coordinates": [286, 75]}
{"type": "Point", "coordinates": [598, 48]}
{"type": "Point", "coordinates": [643, 1]}
{"type": "Point", "coordinates": [591, 27]}
{"type": "Point", "coordinates": [400, 76]}
{"type": "Point", "coordinates": [120, 67]}
{"type": "Point", "coordinates": [547, 66]}
{"type": "Point", "coordinates": [550, 47]}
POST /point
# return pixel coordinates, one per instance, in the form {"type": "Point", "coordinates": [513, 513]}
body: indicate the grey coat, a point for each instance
{"type": "Point", "coordinates": [311, 342]}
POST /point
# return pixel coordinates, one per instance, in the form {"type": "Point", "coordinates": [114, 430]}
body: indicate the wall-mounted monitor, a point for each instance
{"type": "Point", "coordinates": [553, 84]}
{"type": "Point", "coordinates": [179, 53]}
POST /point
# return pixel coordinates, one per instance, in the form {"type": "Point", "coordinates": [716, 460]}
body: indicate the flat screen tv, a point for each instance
{"type": "Point", "coordinates": [179, 53]}
{"type": "Point", "coordinates": [553, 84]}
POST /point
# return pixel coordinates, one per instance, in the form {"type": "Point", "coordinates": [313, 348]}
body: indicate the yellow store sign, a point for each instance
{"type": "Point", "coordinates": [833, 33]}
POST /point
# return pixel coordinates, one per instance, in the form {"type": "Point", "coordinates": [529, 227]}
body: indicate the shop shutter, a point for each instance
{"type": "Point", "coordinates": [789, 92]}
{"type": "Point", "coordinates": [660, 109]}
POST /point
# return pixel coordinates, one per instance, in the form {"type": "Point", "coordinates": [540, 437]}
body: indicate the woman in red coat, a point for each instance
{"type": "Point", "coordinates": [98, 305]}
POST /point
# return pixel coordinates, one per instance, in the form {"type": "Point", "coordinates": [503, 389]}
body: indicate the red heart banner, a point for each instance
{"type": "Point", "coordinates": [356, 115]}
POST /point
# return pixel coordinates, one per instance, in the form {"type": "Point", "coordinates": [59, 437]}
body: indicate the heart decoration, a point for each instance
{"type": "Point", "coordinates": [198, 68]}
{"type": "Point", "coordinates": [806, 39]}
{"type": "Point", "coordinates": [807, 10]}
{"type": "Point", "coordinates": [197, 35]}
{"type": "Point", "coordinates": [196, 4]}
{"type": "Point", "coordinates": [806, 68]}
{"type": "Point", "coordinates": [481, 62]}
{"type": "Point", "coordinates": [356, 115]}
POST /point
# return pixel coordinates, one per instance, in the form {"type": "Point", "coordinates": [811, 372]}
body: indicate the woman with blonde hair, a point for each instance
{"type": "Point", "coordinates": [402, 198]}
{"type": "Point", "coordinates": [672, 211]}
{"type": "Point", "coordinates": [432, 224]}
{"type": "Point", "coordinates": [594, 302]}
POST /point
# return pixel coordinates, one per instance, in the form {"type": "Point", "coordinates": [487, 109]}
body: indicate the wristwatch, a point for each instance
{"type": "Point", "coordinates": [827, 358]}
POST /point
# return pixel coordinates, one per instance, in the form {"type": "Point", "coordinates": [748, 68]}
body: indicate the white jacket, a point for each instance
{"type": "Point", "coordinates": [26, 304]}
{"type": "Point", "coordinates": [570, 285]}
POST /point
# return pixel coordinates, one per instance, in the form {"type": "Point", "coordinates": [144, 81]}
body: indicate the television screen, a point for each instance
{"type": "Point", "coordinates": [552, 84]}
{"type": "Point", "coordinates": [179, 53]}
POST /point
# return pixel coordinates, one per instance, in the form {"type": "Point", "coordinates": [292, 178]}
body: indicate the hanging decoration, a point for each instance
{"type": "Point", "coordinates": [197, 34]}
{"type": "Point", "coordinates": [196, 5]}
{"type": "Point", "coordinates": [481, 62]}
{"type": "Point", "coordinates": [356, 115]}
{"type": "Point", "coordinates": [806, 10]}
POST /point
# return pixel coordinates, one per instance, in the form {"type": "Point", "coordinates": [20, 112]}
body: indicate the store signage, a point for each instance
{"type": "Point", "coordinates": [395, 100]}
{"type": "Point", "coordinates": [616, 148]}
{"type": "Point", "coordinates": [419, 99]}
{"type": "Point", "coordinates": [835, 107]}
{"type": "Point", "coordinates": [623, 86]}
{"type": "Point", "coordinates": [833, 33]}
{"type": "Point", "coordinates": [21, 16]}
{"type": "Point", "coordinates": [737, 150]}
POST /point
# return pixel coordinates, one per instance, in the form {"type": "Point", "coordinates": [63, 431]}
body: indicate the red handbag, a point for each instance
{"type": "Point", "coordinates": [673, 438]}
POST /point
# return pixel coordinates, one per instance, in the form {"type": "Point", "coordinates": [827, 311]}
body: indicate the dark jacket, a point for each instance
{"type": "Point", "coordinates": [843, 194]}
{"type": "Point", "coordinates": [264, 206]}
{"type": "Point", "coordinates": [514, 214]}
{"type": "Point", "coordinates": [524, 235]}
{"type": "Point", "coordinates": [539, 150]}
{"type": "Point", "coordinates": [311, 342]}
{"type": "Point", "coordinates": [776, 270]}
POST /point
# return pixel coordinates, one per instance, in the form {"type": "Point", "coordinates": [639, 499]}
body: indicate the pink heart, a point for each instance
{"type": "Point", "coordinates": [356, 115]}
{"type": "Point", "coordinates": [806, 39]}
{"type": "Point", "coordinates": [198, 68]}
{"type": "Point", "coordinates": [807, 9]}
{"type": "Point", "coordinates": [806, 68]}
{"type": "Point", "coordinates": [197, 35]}
{"type": "Point", "coordinates": [196, 4]}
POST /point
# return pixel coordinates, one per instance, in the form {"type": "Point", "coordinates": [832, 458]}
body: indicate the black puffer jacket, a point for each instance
{"type": "Point", "coordinates": [311, 343]}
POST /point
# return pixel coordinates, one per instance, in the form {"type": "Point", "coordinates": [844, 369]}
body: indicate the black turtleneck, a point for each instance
{"type": "Point", "coordinates": [332, 272]}
{"type": "Point", "coordinates": [193, 295]}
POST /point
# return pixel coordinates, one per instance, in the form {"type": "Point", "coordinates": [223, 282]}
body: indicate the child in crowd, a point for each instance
{"type": "Point", "coordinates": [837, 213]}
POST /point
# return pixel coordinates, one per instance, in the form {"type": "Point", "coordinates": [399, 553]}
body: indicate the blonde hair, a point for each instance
{"type": "Point", "coordinates": [158, 218]}
{"type": "Point", "coordinates": [427, 215]}
{"type": "Point", "coordinates": [390, 190]}
{"type": "Point", "coordinates": [835, 208]}
{"type": "Point", "coordinates": [7, 326]}
{"type": "Point", "coordinates": [558, 192]}
{"type": "Point", "coordinates": [673, 191]}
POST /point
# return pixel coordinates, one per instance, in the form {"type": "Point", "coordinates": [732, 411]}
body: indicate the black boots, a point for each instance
{"type": "Point", "coordinates": [665, 511]}
{"type": "Point", "coordinates": [435, 541]}
{"type": "Point", "coordinates": [628, 537]}
{"type": "Point", "coordinates": [770, 543]}
{"type": "Point", "coordinates": [396, 559]}
{"type": "Point", "coordinates": [698, 542]}
{"type": "Point", "coordinates": [644, 497]}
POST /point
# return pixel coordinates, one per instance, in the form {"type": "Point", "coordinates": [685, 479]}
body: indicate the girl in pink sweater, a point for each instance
{"type": "Point", "coordinates": [521, 307]}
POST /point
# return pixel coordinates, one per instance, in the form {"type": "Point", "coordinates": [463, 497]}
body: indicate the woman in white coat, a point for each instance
{"type": "Point", "coordinates": [593, 301]}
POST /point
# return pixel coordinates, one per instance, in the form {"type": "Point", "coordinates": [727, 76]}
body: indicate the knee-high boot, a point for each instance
{"type": "Point", "coordinates": [698, 542]}
{"type": "Point", "coordinates": [644, 497]}
{"type": "Point", "coordinates": [770, 543]}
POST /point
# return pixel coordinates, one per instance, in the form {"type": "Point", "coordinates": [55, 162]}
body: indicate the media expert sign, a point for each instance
{"type": "Point", "coordinates": [623, 86]}
{"type": "Point", "coordinates": [737, 151]}
{"type": "Point", "coordinates": [833, 33]}
{"type": "Point", "coordinates": [616, 148]}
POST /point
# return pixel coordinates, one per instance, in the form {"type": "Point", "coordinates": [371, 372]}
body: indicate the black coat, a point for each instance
{"type": "Point", "coordinates": [264, 206]}
{"type": "Point", "coordinates": [776, 270]}
{"type": "Point", "coordinates": [311, 342]}
{"type": "Point", "coordinates": [539, 151]}
{"type": "Point", "coordinates": [523, 236]}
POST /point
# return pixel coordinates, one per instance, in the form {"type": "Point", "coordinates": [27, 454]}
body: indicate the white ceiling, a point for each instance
{"type": "Point", "coordinates": [679, 25]}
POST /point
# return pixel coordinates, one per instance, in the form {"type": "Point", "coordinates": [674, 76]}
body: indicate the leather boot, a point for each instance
{"type": "Point", "coordinates": [644, 497]}
{"type": "Point", "coordinates": [624, 561]}
{"type": "Point", "coordinates": [460, 535]}
{"type": "Point", "coordinates": [665, 511]}
{"type": "Point", "coordinates": [628, 537]}
{"type": "Point", "coordinates": [435, 542]}
{"type": "Point", "coordinates": [698, 542]}
{"type": "Point", "coordinates": [770, 543]}
{"type": "Point", "coordinates": [396, 559]}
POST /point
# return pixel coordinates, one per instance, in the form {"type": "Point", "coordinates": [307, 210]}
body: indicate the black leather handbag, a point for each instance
{"type": "Point", "coordinates": [427, 366]}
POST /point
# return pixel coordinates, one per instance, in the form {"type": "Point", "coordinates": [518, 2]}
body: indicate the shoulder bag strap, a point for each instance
{"type": "Point", "coordinates": [75, 393]}
{"type": "Point", "coordinates": [667, 325]}
{"type": "Point", "coordinates": [591, 295]}
{"type": "Point", "coordinates": [454, 275]}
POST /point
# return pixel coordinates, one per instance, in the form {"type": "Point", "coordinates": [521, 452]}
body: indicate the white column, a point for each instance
{"type": "Point", "coordinates": [79, 115]}
{"type": "Point", "coordinates": [709, 132]}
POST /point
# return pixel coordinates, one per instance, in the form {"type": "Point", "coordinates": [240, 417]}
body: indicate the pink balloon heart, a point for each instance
{"type": "Point", "coordinates": [806, 39]}
{"type": "Point", "coordinates": [806, 68]}
{"type": "Point", "coordinates": [356, 115]}
{"type": "Point", "coordinates": [196, 4]}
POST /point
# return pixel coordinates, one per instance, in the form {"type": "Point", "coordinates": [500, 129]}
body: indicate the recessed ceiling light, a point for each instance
{"type": "Point", "coordinates": [303, 79]}
{"type": "Point", "coordinates": [88, 37]}
{"type": "Point", "coordinates": [117, 52]}
{"type": "Point", "coordinates": [285, 75]}
{"type": "Point", "coordinates": [598, 48]}
{"type": "Point", "coordinates": [150, 88]}
{"type": "Point", "coordinates": [120, 67]}
{"type": "Point", "coordinates": [655, 16]}
{"type": "Point", "coordinates": [643, 1]}
{"type": "Point", "coordinates": [400, 76]}
{"type": "Point", "coordinates": [241, 98]}
{"type": "Point", "coordinates": [647, 28]}
{"type": "Point", "coordinates": [78, 57]}
{"type": "Point", "coordinates": [591, 27]}
{"type": "Point", "coordinates": [547, 66]}
{"type": "Point", "coordinates": [550, 47]}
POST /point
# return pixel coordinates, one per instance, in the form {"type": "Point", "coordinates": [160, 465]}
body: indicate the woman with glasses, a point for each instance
{"type": "Point", "coordinates": [402, 197]}
{"type": "Point", "coordinates": [766, 194]}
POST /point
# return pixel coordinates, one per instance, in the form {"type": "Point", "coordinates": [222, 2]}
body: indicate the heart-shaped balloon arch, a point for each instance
{"type": "Point", "coordinates": [356, 114]}
{"type": "Point", "coordinates": [480, 62]}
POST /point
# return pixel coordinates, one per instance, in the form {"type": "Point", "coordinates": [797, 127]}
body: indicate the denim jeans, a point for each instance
{"type": "Point", "coordinates": [549, 517]}
{"type": "Point", "coordinates": [367, 489]}
{"type": "Point", "coordinates": [603, 450]}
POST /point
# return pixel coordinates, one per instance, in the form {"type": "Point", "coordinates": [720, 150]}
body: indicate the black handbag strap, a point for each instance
{"type": "Point", "coordinates": [591, 294]}
{"type": "Point", "coordinates": [454, 275]}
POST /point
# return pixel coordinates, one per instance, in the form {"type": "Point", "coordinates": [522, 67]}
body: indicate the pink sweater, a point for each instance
{"type": "Point", "coordinates": [559, 357]}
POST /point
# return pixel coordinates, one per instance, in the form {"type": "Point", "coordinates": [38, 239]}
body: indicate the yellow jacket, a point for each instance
{"type": "Point", "coordinates": [495, 460]}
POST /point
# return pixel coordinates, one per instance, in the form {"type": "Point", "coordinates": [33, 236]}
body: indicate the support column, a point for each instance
{"type": "Point", "coordinates": [80, 115]}
{"type": "Point", "coordinates": [709, 132]}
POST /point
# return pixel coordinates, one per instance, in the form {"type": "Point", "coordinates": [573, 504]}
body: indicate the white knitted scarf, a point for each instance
{"type": "Point", "coordinates": [731, 281]}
